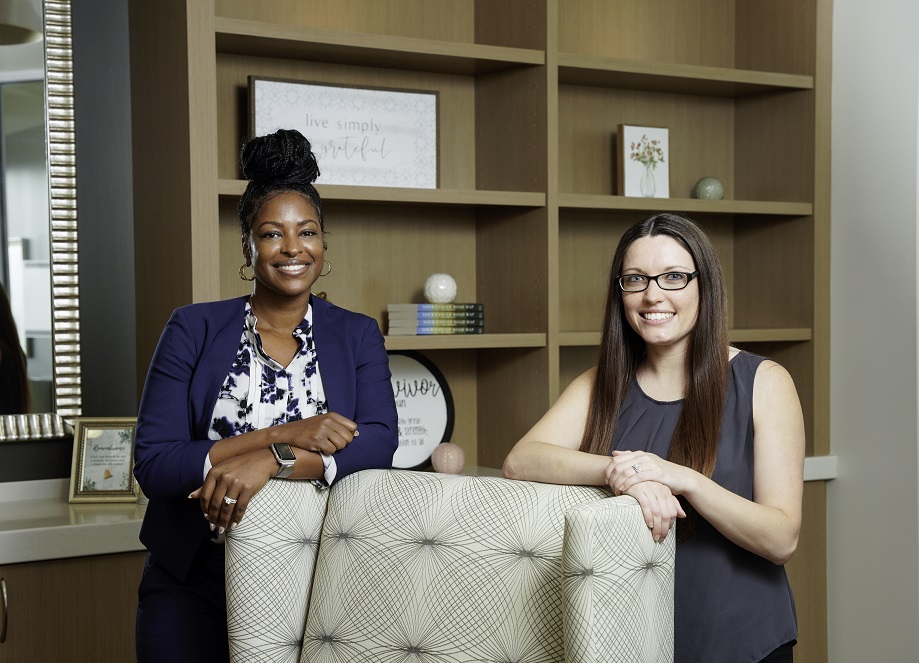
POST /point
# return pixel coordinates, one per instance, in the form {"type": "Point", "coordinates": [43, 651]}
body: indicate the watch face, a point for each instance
{"type": "Point", "coordinates": [284, 451]}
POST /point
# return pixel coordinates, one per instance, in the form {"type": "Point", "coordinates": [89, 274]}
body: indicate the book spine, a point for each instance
{"type": "Point", "coordinates": [437, 307]}
{"type": "Point", "coordinates": [425, 331]}
{"type": "Point", "coordinates": [446, 316]}
{"type": "Point", "coordinates": [435, 323]}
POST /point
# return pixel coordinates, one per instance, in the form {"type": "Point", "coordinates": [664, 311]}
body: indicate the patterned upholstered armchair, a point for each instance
{"type": "Point", "coordinates": [394, 565]}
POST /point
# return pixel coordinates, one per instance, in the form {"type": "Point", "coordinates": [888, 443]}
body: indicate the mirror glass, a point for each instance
{"type": "Point", "coordinates": [38, 232]}
{"type": "Point", "coordinates": [26, 262]}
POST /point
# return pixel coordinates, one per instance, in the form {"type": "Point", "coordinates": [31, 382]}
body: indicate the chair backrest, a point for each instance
{"type": "Point", "coordinates": [270, 558]}
{"type": "Point", "coordinates": [445, 567]}
{"type": "Point", "coordinates": [617, 585]}
{"type": "Point", "coordinates": [454, 568]}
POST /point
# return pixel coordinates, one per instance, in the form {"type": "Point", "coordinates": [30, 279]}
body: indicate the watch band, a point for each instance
{"type": "Point", "coordinates": [283, 454]}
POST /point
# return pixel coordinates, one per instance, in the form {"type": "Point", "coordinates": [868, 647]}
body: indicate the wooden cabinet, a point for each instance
{"type": "Point", "coordinates": [526, 216]}
{"type": "Point", "coordinates": [80, 610]}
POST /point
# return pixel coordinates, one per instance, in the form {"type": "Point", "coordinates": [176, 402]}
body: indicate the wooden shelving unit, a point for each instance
{"type": "Point", "coordinates": [683, 205]}
{"type": "Point", "coordinates": [587, 69]}
{"type": "Point", "coordinates": [261, 39]}
{"type": "Point", "coordinates": [392, 195]}
{"type": "Point", "coordinates": [467, 342]}
{"type": "Point", "coordinates": [592, 338]}
{"type": "Point", "coordinates": [526, 216]}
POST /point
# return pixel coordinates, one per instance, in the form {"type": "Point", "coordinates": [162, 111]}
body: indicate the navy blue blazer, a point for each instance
{"type": "Point", "coordinates": [191, 361]}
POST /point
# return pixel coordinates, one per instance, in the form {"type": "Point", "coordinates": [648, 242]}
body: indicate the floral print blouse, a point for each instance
{"type": "Point", "coordinates": [258, 392]}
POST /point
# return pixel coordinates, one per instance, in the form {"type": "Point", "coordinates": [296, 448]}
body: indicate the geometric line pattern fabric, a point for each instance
{"type": "Point", "coordinates": [427, 568]}
{"type": "Point", "coordinates": [617, 585]}
{"type": "Point", "coordinates": [270, 560]}
{"type": "Point", "coordinates": [440, 568]}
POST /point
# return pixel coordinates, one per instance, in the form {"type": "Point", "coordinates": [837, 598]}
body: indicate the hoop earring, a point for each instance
{"type": "Point", "coordinates": [330, 268]}
{"type": "Point", "coordinates": [242, 274]}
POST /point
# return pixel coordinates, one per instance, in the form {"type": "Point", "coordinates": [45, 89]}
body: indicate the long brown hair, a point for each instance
{"type": "Point", "coordinates": [695, 440]}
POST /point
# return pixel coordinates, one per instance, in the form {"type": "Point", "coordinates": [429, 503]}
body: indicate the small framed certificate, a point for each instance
{"type": "Point", "coordinates": [425, 407]}
{"type": "Point", "coordinates": [103, 461]}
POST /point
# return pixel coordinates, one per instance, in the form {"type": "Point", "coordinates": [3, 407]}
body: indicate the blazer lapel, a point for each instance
{"type": "Point", "coordinates": [335, 362]}
{"type": "Point", "coordinates": [225, 325]}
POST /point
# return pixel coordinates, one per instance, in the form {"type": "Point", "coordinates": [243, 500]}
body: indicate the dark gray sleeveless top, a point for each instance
{"type": "Point", "coordinates": [730, 605]}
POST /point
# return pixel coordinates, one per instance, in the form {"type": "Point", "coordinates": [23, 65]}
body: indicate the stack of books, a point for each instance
{"type": "Point", "coordinates": [421, 319]}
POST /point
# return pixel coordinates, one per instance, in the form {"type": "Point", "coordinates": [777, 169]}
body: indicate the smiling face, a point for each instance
{"type": "Point", "coordinates": [286, 248]}
{"type": "Point", "coordinates": [660, 317]}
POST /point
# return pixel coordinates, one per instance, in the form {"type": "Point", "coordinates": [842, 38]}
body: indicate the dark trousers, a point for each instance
{"type": "Point", "coordinates": [179, 622]}
{"type": "Point", "coordinates": [783, 654]}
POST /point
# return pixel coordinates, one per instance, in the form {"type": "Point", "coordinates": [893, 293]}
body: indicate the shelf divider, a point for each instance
{"type": "Point", "coordinates": [466, 341]}
{"type": "Point", "coordinates": [334, 46]}
{"type": "Point", "coordinates": [592, 70]}
{"type": "Point", "coordinates": [783, 335]}
{"type": "Point", "coordinates": [402, 196]}
{"type": "Point", "coordinates": [624, 203]}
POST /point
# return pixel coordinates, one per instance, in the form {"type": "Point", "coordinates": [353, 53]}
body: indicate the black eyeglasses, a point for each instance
{"type": "Point", "coordinates": [665, 281]}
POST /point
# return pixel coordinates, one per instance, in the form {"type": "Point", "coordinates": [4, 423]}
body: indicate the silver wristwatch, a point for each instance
{"type": "Point", "coordinates": [285, 457]}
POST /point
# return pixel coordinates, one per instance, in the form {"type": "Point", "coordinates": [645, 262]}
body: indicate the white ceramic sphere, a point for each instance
{"type": "Point", "coordinates": [448, 458]}
{"type": "Point", "coordinates": [440, 289]}
{"type": "Point", "coordinates": [709, 188]}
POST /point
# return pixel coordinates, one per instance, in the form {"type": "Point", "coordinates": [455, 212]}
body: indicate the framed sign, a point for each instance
{"type": "Point", "coordinates": [103, 461]}
{"type": "Point", "coordinates": [425, 407]}
{"type": "Point", "coordinates": [360, 136]}
{"type": "Point", "coordinates": [644, 161]}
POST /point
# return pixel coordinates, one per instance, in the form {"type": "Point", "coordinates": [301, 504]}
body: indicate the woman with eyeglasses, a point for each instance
{"type": "Point", "coordinates": [701, 434]}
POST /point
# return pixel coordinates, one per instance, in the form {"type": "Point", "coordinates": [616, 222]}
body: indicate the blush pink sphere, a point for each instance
{"type": "Point", "coordinates": [448, 458]}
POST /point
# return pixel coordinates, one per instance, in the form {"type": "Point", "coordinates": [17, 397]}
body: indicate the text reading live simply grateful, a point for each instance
{"type": "Point", "coordinates": [365, 143]}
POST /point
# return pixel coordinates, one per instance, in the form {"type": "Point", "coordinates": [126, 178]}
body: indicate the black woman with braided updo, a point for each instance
{"type": "Point", "coordinates": [278, 384]}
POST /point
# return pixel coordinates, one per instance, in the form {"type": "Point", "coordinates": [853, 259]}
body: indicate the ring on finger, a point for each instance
{"type": "Point", "coordinates": [637, 468]}
{"type": "Point", "coordinates": [229, 501]}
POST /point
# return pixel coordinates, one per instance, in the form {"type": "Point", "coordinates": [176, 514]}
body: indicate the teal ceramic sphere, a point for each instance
{"type": "Point", "coordinates": [709, 188]}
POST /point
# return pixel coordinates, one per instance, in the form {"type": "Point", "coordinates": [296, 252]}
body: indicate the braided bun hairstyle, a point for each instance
{"type": "Point", "coordinates": [277, 163]}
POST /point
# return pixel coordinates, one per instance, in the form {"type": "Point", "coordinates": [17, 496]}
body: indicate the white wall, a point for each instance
{"type": "Point", "coordinates": [872, 521]}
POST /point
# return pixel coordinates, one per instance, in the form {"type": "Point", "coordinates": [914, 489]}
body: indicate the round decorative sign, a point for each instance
{"type": "Point", "coordinates": [425, 407]}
